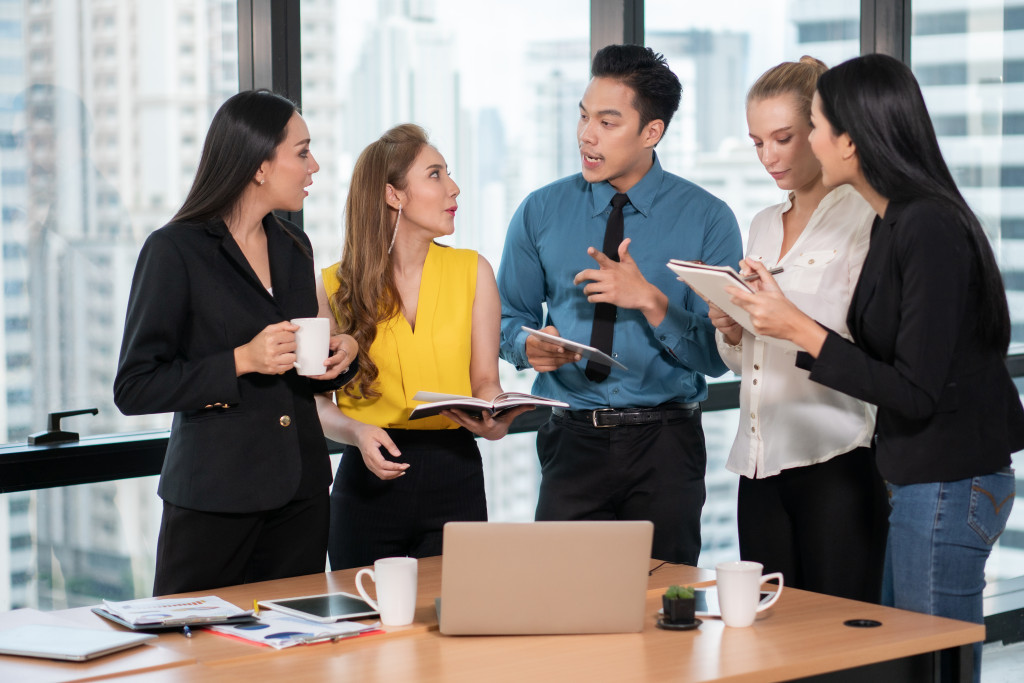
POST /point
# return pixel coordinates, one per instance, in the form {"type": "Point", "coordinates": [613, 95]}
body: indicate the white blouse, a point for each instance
{"type": "Point", "coordinates": [786, 420]}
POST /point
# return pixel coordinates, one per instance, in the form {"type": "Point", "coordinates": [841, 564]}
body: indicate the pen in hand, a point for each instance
{"type": "Point", "coordinates": [755, 276]}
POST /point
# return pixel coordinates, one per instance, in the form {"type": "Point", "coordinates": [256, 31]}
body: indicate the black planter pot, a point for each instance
{"type": "Point", "coordinates": [678, 610]}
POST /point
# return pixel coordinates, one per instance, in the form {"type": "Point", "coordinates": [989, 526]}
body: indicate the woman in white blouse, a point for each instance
{"type": "Point", "coordinates": [811, 503]}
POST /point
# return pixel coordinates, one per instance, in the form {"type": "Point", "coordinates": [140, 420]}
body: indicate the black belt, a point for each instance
{"type": "Point", "coordinates": [618, 417]}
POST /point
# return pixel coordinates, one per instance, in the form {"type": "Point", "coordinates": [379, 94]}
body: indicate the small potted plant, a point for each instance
{"type": "Point", "coordinates": [679, 604]}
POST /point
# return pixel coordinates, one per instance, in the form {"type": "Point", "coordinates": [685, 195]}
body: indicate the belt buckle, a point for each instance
{"type": "Point", "coordinates": [593, 417]}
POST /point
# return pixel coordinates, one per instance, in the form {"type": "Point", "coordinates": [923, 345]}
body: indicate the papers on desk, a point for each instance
{"type": "Point", "coordinates": [282, 630]}
{"type": "Point", "coordinates": [156, 613]}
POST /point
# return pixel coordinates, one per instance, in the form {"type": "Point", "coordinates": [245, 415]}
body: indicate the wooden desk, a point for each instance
{"type": "Point", "coordinates": [802, 636]}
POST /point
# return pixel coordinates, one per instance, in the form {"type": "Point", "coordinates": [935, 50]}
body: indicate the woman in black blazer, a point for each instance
{"type": "Point", "coordinates": [931, 328]}
{"type": "Point", "coordinates": [207, 336]}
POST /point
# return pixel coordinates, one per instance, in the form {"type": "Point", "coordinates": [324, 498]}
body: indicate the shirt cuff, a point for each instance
{"type": "Point", "coordinates": [726, 346]}
{"type": "Point", "coordinates": [673, 327]}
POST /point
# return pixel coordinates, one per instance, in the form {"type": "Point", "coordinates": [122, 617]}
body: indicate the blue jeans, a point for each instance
{"type": "Point", "coordinates": [940, 536]}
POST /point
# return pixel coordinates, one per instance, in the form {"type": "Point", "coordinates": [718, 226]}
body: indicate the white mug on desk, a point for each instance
{"type": "Point", "coordinates": [739, 591]}
{"type": "Point", "coordinates": [312, 345]}
{"type": "Point", "coordinates": [396, 589]}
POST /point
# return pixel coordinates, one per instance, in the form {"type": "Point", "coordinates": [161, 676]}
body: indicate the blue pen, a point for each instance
{"type": "Point", "coordinates": [186, 631]}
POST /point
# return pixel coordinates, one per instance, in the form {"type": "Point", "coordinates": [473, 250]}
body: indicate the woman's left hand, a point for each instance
{"type": "Point", "coordinates": [343, 351]}
{"type": "Point", "coordinates": [489, 427]}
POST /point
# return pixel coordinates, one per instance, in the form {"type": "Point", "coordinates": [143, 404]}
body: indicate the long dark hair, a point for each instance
{"type": "Point", "coordinates": [877, 101]}
{"type": "Point", "coordinates": [244, 133]}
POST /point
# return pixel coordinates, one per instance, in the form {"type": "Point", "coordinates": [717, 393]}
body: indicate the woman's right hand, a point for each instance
{"type": "Point", "coordinates": [731, 331]}
{"type": "Point", "coordinates": [370, 439]}
{"type": "Point", "coordinates": [271, 352]}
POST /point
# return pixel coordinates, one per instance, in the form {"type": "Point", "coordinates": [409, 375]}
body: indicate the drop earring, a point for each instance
{"type": "Point", "coordinates": [395, 233]}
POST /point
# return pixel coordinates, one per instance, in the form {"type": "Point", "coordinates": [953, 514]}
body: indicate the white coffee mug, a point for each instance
{"type": "Point", "coordinates": [396, 589]}
{"type": "Point", "coordinates": [739, 591]}
{"type": "Point", "coordinates": [312, 345]}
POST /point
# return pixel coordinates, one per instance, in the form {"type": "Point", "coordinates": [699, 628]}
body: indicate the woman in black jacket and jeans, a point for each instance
{"type": "Point", "coordinates": [931, 327]}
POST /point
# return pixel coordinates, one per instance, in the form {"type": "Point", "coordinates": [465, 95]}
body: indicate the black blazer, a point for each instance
{"type": "Point", "coordinates": [947, 408]}
{"type": "Point", "coordinates": [194, 298]}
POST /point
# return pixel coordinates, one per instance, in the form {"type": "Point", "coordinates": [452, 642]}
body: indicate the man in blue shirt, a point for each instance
{"type": "Point", "coordinates": [631, 445]}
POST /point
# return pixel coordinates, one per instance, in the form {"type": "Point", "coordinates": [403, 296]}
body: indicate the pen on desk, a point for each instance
{"type": "Point", "coordinates": [755, 276]}
{"type": "Point", "coordinates": [255, 607]}
{"type": "Point", "coordinates": [186, 631]}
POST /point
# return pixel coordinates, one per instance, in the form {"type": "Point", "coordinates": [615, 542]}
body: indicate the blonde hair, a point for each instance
{"type": "Point", "coordinates": [797, 78]}
{"type": "Point", "coordinates": [368, 294]}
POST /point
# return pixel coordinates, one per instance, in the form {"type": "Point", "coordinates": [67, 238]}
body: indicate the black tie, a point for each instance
{"type": "Point", "coordinates": [604, 313]}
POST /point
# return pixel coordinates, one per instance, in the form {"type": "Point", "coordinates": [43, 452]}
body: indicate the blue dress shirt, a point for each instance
{"type": "Point", "coordinates": [546, 246]}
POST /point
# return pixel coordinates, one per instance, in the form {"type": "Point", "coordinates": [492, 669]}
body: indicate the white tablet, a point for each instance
{"type": "Point", "coordinates": [588, 352]}
{"type": "Point", "coordinates": [325, 608]}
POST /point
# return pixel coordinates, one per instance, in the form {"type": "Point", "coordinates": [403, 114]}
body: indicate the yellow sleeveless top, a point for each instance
{"type": "Point", "coordinates": [433, 357]}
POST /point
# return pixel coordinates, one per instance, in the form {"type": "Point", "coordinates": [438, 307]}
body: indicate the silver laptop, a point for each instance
{"type": "Point", "coordinates": [69, 643]}
{"type": "Point", "coordinates": [544, 577]}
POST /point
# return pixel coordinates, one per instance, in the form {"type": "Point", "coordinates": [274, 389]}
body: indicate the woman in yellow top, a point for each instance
{"type": "Point", "coordinates": [429, 316]}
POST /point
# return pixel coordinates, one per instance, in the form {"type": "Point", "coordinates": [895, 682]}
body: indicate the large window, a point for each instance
{"type": "Point", "coordinates": [103, 110]}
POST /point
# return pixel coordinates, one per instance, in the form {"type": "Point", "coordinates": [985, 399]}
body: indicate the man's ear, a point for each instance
{"type": "Point", "coordinates": [392, 196]}
{"type": "Point", "coordinates": [652, 132]}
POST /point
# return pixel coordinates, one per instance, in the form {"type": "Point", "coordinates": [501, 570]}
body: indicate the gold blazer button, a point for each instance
{"type": "Point", "coordinates": [285, 420]}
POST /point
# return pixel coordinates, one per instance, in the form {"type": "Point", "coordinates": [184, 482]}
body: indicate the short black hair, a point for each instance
{"type": "Point", "coordinates": [656, 90]}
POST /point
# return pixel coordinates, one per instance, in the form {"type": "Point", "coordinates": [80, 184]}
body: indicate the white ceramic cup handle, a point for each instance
{"type": "Point", "coordinates": [359, 587]}
{"type": "Point", "coordinates": [767, 577]}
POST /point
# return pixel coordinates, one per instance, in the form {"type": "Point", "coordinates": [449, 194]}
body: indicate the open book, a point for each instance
{"type": "Point", "coordinates": [476, 406]}
{"type": "Point", "coordinates": [711, 281]}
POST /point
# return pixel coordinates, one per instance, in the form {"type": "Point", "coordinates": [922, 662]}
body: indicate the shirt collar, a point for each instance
{"type": "Point", "coordinates": [641, 195]}
{"type": "Point", "coordinates": [834, 195]}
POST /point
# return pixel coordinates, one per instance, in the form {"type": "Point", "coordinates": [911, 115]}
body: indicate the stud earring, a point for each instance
{"type": "Point", "coordinates": [395, 233]}
{"type": "Point", "coordinates": [261, 182]}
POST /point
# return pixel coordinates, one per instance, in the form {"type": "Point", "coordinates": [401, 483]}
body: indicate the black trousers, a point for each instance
{"type": "Point", "coordinates": [823, 526]}
{"type": "Point", "coordinates": [372, 518]}
{"type": "Point", "coordinates": [199, 551]}
{"type": "Point", "coordinates": [652, 471]}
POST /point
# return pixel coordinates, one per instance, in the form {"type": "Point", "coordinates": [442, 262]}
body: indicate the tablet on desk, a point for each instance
{"type": "Point", "coordinates": [325, 608]}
